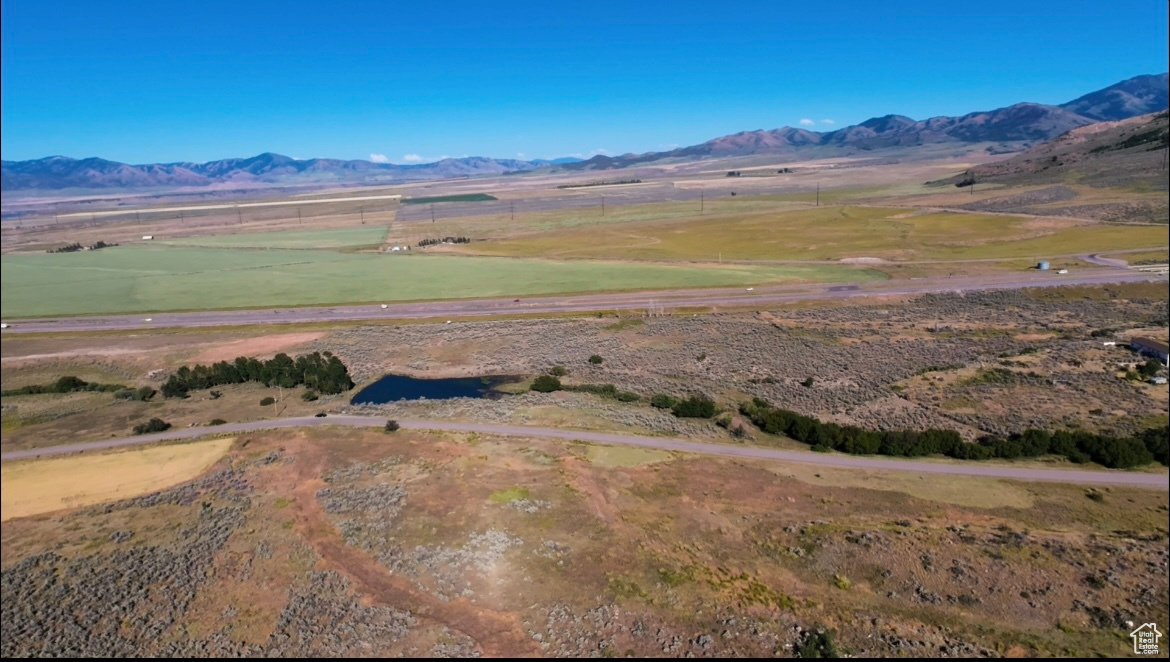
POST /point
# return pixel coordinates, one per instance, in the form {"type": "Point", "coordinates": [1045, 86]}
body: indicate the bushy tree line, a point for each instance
{"type": "Point", "coordinates": [444, 240]}
{"type": "Point", "coordinates": [323, 373]}
{"type": "Point", "coordinates": [67, 384]}
{"type": "Point", "coordinates": [1078, 446]}
{"type": "Point", "coordinates": [620, 181]}
{"type": "Point", "coordinates": [74, 247]}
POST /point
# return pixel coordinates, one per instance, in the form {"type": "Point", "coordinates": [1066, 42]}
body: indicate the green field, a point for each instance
{"type": "Point", "coordinates": [365, 235]}
{"type": "Point", "coordinates": [828, 233]}
{"type": "Point", "coordinates": [128, 279]}
{"type": "Point", "coordinates": [465, 197]}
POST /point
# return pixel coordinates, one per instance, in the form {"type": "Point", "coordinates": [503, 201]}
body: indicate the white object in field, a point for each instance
{"type": "Point", "coordinates": [147, 237]}
{"type": "Point", "coordinates": [1062, 271]}
{"type": "Point", "coordinates": [148, 319]}
{"type": "Point", "coordinates": [448, 321]}
{"type": "Point", "coordinates": [385, 306]}
{"type": "Point", "coordinates": [1109, 343]}
{"type": "Point", "coordinates": [749, 289]}
{"type": "Point", "coordinates": [3, 326]}
{"type": "Point", "coordinates": [395, 249]}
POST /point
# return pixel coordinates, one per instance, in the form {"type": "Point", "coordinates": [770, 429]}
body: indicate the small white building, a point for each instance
{"type": "Point", "coordinates": [396, 249]}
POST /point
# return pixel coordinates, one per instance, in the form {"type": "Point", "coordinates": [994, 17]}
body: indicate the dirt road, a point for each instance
{"type": "Point", "coordinates": [706, 298]}
{"type": "Point", "coordinates": [1160, 481]}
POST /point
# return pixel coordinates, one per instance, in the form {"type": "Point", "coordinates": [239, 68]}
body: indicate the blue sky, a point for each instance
{"type": "Point", "coordinates": [157, 81]}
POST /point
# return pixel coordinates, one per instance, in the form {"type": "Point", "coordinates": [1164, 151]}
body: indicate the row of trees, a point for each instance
{"type": "Point", "coordinates": [613, 183]}
{"type": "Point", "coordinates": [67, 384]}
{"type": "Point", "coordinates": [324, 373]}
{"type": "Point", "coordinates": [74, 247]}
{"type": "Point", "coordinates": [1078, 446]}
{"type": "Point", "coordinates": [444, 240]}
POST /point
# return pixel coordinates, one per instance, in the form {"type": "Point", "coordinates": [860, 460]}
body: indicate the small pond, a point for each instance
{"type": "Point", "coordinates": [392, 388]}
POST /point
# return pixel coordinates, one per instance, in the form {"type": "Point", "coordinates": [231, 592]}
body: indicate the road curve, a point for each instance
{"type": "Point", "coordinates": [763, 295]}
{"type": "Point", "coordinates": [1119, 478]}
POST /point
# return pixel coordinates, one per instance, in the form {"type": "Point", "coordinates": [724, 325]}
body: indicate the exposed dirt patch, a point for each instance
{"type": "Point", "coordinates": [257, 347]}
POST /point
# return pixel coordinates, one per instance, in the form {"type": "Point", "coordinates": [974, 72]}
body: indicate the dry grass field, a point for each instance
{"type": "Point", "coordinates": [831, 233]}
{"type": "Point", "coordinates": [33, 487]}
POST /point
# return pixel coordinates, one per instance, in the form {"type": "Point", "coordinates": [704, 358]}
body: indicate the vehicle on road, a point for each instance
{"type": "Point", "coordinates": [4, 326]}
{"type": "Point", "coordinates": [384, 306]}
{"type": "Point", "coordinates": [749, 289]}
{"type": "Point", "coordinates": [515, 301]}
{"type": "Point", "coordinates": [320, 414]}
{"type": "Point", "coordinates": [148, 319]}
{"type": "Point", "coordinates": [1062, 271]}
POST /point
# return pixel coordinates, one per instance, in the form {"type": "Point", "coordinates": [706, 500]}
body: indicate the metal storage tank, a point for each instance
{"type": "Point", "coordinates": [1042, 265]}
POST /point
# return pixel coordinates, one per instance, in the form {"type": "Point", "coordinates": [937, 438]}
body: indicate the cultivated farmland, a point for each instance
{"type": "Point", "coordinates": [830, 233]}
{"type": "Point", "coordinates": [130, 279]}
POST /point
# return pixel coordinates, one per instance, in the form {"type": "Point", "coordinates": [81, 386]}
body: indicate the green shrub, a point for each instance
{"type": "Point", "coordinates": [558, 371]}
{"type": "Point", "coordinates": [267, 401]}
{"type": "Point", "coordinates": [663, 401]}
{"type": "Point", "coordinates": [391, 426]}
{"type": "Point", "coordinates": [818, 642]}
{"type": "Point", "coordinates": [596, 360]}
{"type": "Point", "coordinates": [696, 406]}
{"type": "Point", "coordinates": [217, 421]}
{"type": "Point", "coordinates": [546, 384]}
{"type": "Point", "coordinates": [807, 383]}
{"type": "Point", "coordinates": [153, 425]}
{"type": "Point", "coordinates": [309, 396]}
{"type": "Point", "coordinates": [627, 396]}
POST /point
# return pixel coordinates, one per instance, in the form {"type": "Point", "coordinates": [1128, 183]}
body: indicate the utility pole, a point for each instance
{"type": "Point", "coordinates": [603, 205]}
{"type": "Point", "coordinates": [700, 202]}
{"type": "Point", "coordinates": [432, 213]}
{"type": "Point", "coordinates": [181, 217]}
{"type": "Point", "coordinates": [513, 210]}
{"type": "Point", "coordinates": [299, 220]}
{"type": "Point", "coordinates": [239, 216]}
{"type": "Point", "coordinates": [138, 218]}
{"type": "Point", "coordinates": [818, 194]}
{"type": "Point", "coordinates": [362, 211]}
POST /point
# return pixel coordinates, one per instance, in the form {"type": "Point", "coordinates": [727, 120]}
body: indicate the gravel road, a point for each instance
{"type": "Point", "coordinates": [760, 296]}
{"type": "Point", "coordinates": [1160, 481]}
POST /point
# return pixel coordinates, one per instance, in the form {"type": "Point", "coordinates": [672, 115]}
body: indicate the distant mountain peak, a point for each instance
{"type": "Point", "coordinates": [1018, 123]}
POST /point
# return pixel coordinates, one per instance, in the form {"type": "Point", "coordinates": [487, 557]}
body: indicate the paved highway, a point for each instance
{"type": "Point", "coordinates": [1144, 480]}
{"type": "Point", "coordinates": [759, 296]}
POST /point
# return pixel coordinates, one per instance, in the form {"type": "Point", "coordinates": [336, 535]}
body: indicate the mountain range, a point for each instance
{"type": "Point", "coordinates": [1016, 125]}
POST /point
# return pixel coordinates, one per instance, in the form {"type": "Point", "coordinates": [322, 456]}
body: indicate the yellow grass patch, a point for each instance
{"type": "Point", "coordinates": [971, 491]}
{"type": "Point", "coordinates": [41, 486]}
{"type": "Point", "coordinates": [624, 456]}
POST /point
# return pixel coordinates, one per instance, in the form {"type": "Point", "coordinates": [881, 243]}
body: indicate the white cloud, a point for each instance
{"type": "Point", "coordinates": [827, 121]}
{"type": "Point", "coordinates": [412, 158]}
{"type": "Point", "coordinates": [807, 122]}
{"type": "Point", "coordinates": [521, 155]}
{"type": "Point", "coordinates": [379, 158]}
{"type": "Point", "coordinates": [591, 153]}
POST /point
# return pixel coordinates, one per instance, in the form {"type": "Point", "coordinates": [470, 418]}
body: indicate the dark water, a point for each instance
{"type": "Point", "coordinates": [396, 387]}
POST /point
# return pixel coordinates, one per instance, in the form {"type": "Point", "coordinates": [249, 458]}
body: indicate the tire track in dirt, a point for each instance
{"type": "Point", "coordinates": [495, 633]}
